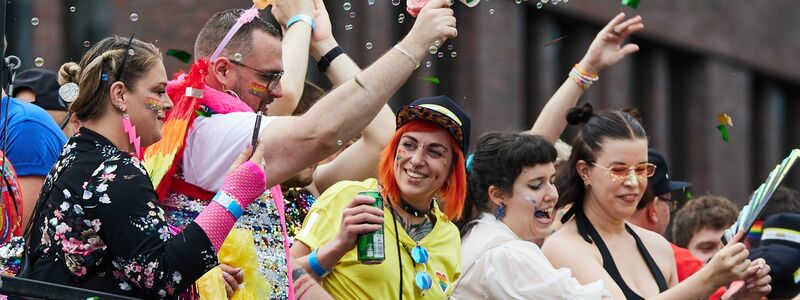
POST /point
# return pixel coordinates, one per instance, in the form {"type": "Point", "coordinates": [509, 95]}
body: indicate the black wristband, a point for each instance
{"type": "Point", "coordinates": [326, 60]}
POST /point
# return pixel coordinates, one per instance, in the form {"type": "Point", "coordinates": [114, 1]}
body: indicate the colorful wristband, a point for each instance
{"type": "Point", "coordinates": [315, 266]}
{"type": "Point", "coordinates": [582, 78]}
{"type": "Point", "coordinates": [305, 18]}
{"type": "Point", "coordinates": [229, 203]}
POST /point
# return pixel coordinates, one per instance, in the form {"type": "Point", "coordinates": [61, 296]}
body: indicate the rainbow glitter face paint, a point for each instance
{"type": "Point", "coordinates": [154, 104]}
{"type": "Point", "coordinates": [258, 90]}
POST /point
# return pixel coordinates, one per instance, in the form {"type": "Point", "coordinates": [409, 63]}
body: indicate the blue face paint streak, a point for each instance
{"type": "Point", "coordinates": [536, 212]}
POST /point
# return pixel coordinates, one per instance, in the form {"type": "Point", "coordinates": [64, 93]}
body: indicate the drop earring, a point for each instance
{"type": "Point", "coordinates": [130, 129]}
{"type": "Point", "coordinates": [500, 211]}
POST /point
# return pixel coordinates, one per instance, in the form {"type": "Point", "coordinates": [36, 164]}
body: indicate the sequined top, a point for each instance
{"type": "Point", "coordinates": [100, 227]}
{"type": "Point", "coordinates": [262, 218]}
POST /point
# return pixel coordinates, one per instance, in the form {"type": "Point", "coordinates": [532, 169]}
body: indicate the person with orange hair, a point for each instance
{"type": "Point", "coordinates": [423, 162]}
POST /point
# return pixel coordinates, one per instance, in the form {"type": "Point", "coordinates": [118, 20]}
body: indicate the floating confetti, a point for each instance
{"type": "Point", "coordinates": [543, 1]}
{"type": "Point", "coordinates": [369, 45]}
{"type": "Point", "coordinates": [35, 21]}
{"type": "Point", "coordinates": [440, 54]}
{"type": "Point", "coordinates": [401, 18]}
{"type": "Point", "coordinates": [348, 27]}
{"type": "Point", "coordinates": [724, 132]}
{"type": "Point", "coordinates": [725, 119]}
{"type": "Point", "coordinates": [431, 79]}
{"type": "Point", "coordinates": [134, 17]}
{"type": "Point", "coordinates": [131, 52]}
{"type": "Point", "coordinates": [433, 50]}
{"type": "Point", "coordinates": [491, 11]}
{"type": "Point", "coordinates": [371, 2]}
{"type": "Point", "coordinates": [347, 6]}
{"type": "Point", "coordinates": [631, 3]}
{"type": "Point", "coordinates": [437, 43]}
{"type": "Point", "coordinates": [395, 2]}
{"type": "Point", "coordinates": [237, 56]}
{"type": "Point", "coordinates": [453, 54]}
{"type": "Point", "coordinates": [539, 5]}
{"type": "Point", "coordinates": [86, 44]}
{"type": "Point", "coordinates": [352, 14]}
{"type": "Point", "coordinates": [518, 1]}
{"type": "Point", "coordinates": [428, 64]}
{"type": "Point", "coordinates": [688, 192]}
{"type": "Point", "coordinates": [38, 61]}
{"type": "Point", "coordinates": [181, 55]}
{"type": "Point", "coordinates": [339, 142]}
{"type": "Point", "coordinates": [554, 41]}
{"type": "Point", "coordinates": [450, 47]}
{"type": "Point", "coordinates": [72, 9]}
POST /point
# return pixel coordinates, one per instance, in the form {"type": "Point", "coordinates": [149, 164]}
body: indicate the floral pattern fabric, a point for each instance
{"type": "Point", "coordinates": [100, 227]}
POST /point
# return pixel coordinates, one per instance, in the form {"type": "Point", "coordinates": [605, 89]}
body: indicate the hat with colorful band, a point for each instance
{"type": "Point", "coordinates": [442, 111]}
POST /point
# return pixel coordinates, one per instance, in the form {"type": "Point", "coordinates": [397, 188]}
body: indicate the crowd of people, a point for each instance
{"type": "Point", "coordinates": [120, 180]}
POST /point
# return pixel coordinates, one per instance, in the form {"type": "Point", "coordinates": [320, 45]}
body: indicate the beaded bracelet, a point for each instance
{"type": "Point", "coordinates": [582, 78]}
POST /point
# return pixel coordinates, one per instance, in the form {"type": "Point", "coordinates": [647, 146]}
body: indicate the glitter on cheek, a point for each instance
{"type": "Point", "coordinates": [153, 104]}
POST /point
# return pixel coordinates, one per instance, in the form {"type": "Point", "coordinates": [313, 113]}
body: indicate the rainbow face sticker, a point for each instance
{"type": "Point", "coordinates": [154, 104]}
{"type": "Point", "coordinates": [258, 90]}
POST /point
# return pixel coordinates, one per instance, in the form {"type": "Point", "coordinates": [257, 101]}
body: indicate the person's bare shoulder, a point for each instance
{"type": "Point", "coordinates": [567, 238]}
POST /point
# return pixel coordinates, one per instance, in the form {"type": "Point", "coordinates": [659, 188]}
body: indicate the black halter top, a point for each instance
{"type": "Point", "coordinates": [589, 233]}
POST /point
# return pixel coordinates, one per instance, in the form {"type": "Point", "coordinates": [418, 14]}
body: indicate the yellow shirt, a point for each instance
{"type": "Point", "coordinates": [350, 279]}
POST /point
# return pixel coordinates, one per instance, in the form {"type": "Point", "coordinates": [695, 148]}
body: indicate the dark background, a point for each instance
{"type": "Point", "coordinates": [697, 59]}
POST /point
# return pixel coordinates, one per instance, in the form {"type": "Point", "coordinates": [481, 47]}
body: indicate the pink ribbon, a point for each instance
{"type": "Point", "coordinates": [246, 17]}
{"type": "Point", "coordinates": [277, 196]}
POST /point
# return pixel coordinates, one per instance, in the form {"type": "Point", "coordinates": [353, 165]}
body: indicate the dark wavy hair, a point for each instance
{"type": "Point", "coordinates": [497, 161]}
{"type": "Point", "coordinates": [596, 128]}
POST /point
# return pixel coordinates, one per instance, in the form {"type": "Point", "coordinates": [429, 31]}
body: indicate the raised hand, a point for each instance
{"type": "Point", "coordinates": [434, 23]}
{"type": "Point", "coordinates": [323, 30]}
{"type": "Point", "coordinates": [607, 47]}
{"type": "Point", "coordinates": [282, 10]}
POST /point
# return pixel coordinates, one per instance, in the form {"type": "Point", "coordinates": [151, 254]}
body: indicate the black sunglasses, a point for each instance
{"type": "Point", "coordinates": [273, 78]}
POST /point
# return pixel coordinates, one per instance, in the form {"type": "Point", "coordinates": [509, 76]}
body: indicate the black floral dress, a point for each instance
{"type": "Point", "coordinates": [100, 227]}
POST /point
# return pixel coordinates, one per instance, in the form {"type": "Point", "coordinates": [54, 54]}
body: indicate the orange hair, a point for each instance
{"type": "Point", "coordinates": [454, 190]}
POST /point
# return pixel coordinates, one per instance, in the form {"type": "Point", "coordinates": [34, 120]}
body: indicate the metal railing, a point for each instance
{"type": "Point", "coordinates": [22, 288]}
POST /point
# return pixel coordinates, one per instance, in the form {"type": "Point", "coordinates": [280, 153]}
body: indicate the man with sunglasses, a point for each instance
{"type": "Point", "coordinates": [249, 70]}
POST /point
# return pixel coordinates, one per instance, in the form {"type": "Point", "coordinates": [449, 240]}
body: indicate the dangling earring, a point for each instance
{"type": "Point", "coordinates": [586, 184]}
{"type": "Point", "coordinates": [130, 129]}
{"type": "Point", "coordinates": [500, 211]}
